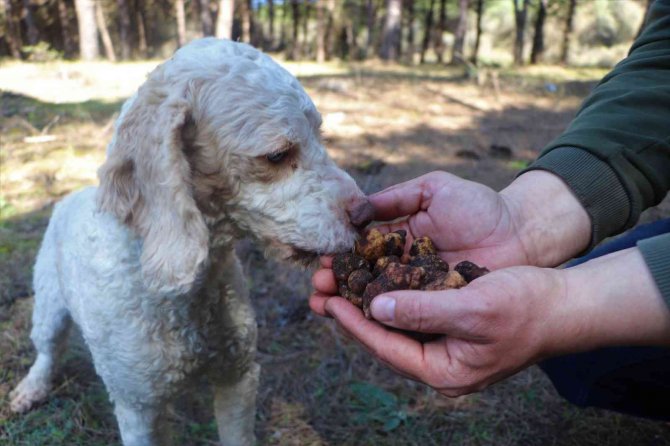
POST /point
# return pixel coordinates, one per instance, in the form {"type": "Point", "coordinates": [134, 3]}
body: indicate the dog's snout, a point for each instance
{"type": "Point", "coordinates": [360, 211]}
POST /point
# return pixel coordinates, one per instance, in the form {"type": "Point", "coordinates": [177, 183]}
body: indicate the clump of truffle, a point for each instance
{"type": "Point", "coordinates": [382, 263]}
{"type": "Point", "coordinates": [422, 246]}
{"type": "Point", "coordinates": [378, 265]}
{"type": "Point", "coordinates": [372, 246]}
{"type": "Point", "coordinates": [445, 281]}
{"type": "Point", "coordinates": [344, 264]}
{"type": "Point", "coordinates": [470, 271]}
{"type": "Point", "coordinates": [358, 280]}
{"type": "Point", "coordinates": [396, 276]}
{"type": "Point", "coordinates": [432, 264]}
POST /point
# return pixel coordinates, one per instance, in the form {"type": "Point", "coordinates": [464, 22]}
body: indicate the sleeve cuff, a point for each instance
{"type": "Point", "coordinates": [656, 253]}
{"type": "Point", "coordinates": [596, 186]}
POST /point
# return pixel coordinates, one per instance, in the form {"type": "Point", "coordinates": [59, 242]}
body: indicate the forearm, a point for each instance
{"type": "Point", "coordinates": [608, 301]}
{"type": "Point", "coordinates": [551, 222]}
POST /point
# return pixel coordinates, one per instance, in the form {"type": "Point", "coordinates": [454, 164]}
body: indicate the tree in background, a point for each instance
{"type": "Point", "coordinates": [567, 31]}
{"type": "Point", "coordinates": [538, 38]}
{"type": "Point", "coordinates": [391, 35]}
{"type": "Point", "coordinates": [411, 46]}
{"type": "Point", "coordinates": [13, 31]}
{"type": "Point", "coordinates": [459, 35]}
{"type": "Point", "coordinates": [180, 14]}
{"type": "Point", "coordinates": [88, 30]}
{"type": "Point", "coordinates": [478, 31]}
{"type": "Point", "coordinates": [428, 26]}
{"type": "Point", "coordinates": [439, 32]}
{"type": "Point", "coordinates": [124, 28]}
{"type": "Point", "coordinates": [104, 33]}
{"type": "Point", "coordinates": [224, 19]}
{"type": "Point", "coordinates": [520, 15]}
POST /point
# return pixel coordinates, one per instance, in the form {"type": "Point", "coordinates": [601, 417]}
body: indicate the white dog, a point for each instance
{"type": "Point", "coordinates": [219, 142]}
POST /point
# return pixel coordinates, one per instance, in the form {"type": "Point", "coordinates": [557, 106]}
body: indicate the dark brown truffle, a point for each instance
{"type": "Point", "coordinates": [432, 263]}
{"type": "Point", "coordinates": [470, 271]}
{"type": "Point", "coordinates": [344, 264]}
{"type": "Point", "coordinates": [358, 280]}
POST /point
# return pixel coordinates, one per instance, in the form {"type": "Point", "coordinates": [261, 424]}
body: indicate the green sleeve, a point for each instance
{"type": "Point", "coordinates": [615, 155]}
{"type": "Point", "coordinates": [655, 251]}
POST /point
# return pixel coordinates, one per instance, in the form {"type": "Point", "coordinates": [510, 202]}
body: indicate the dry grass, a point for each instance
{"type": "Point", "coordinates": [384, 124]}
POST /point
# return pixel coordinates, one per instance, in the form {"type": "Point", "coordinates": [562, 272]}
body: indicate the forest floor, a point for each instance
{"type": "Point", "coordinates": [384, 124]}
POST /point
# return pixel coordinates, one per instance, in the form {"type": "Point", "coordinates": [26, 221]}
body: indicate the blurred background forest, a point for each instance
{"type": "Point", "coordinates": [473, 87]}
{"type": "Point", "coordinates": [489, 32]}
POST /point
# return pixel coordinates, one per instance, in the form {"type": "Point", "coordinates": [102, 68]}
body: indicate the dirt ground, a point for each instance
{"type": "Point", "coordinates": [384, 125]}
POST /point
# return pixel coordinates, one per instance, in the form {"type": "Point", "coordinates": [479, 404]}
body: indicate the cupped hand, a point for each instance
{"type": "Point", "coordinates": [465, 220]}
{"type": "Point", "coordinates": [495, 326]}
{"type": "Point", "coordinates": [506, 320]}
{"type": "Point", "coordinates": [536, 220]}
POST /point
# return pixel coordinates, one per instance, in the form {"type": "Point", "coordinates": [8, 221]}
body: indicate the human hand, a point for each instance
{"type": "Point", "coordinates": [506, 320]}
{"type": "Point", "coordinates": [534, 221]}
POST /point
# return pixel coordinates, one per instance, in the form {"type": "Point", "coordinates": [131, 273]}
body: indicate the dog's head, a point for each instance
{"type": "Point", "coordinates": [222, 136]}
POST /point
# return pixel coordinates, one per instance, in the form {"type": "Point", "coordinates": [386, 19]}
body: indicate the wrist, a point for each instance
{"type": "Point", "coordinates": [551, 224]}
{"type": "Point", "coordinates": [609, 301]}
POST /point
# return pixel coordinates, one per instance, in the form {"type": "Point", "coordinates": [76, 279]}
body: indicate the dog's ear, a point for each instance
{"type": "Point", "coordinates": [146, 183]}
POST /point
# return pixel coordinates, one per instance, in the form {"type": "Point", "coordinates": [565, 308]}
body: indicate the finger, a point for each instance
{"type": "Point", "coordinates": [326, 261]}
{"type": "Point", "coordinates": [402, 199]}
{"type": "Point", "coordinates": [403, 354]}
{"type": "Point", "coordinates": [323, 281]}
{"type": "Point", "coordinates": [317, 303]}
{"type": "Point", "coordinates": [443, 312]}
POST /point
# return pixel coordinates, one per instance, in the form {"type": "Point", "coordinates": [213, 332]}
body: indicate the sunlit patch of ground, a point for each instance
{"type": "Point", "coordinates": [384, 124]}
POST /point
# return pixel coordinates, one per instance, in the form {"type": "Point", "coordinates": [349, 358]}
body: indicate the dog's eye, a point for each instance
{"type": "Point", "coordinates": [276, 157]}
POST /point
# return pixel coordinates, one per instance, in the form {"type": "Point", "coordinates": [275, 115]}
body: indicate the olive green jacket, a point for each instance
{"type": "Point", "coordinates": [615, 155]}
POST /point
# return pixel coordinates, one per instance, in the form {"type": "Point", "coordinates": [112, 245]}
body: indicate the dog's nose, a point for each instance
{"type": "Point", "coordinates": [360, 212]}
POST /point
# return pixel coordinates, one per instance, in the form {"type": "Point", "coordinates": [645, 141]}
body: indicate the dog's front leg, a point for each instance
{"type": "Point", "coordinates": [141, 425]}
{"type": "Point", "coordinates": [235, 408]}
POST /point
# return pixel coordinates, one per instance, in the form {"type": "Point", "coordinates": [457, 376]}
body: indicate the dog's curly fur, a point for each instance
{"type": "Point", "coordinates": [220, 141]}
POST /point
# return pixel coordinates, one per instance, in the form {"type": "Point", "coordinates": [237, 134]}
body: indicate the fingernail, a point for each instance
{"type": "Point", "coordinates": [383, 308]}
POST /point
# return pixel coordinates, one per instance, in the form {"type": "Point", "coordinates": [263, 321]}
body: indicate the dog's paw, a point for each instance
{"type": "Point", "coordinates": [27, 394]}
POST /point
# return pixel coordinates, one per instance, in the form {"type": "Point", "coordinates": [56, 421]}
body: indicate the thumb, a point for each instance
{"type": "Point", "coordinates": [424, 311]}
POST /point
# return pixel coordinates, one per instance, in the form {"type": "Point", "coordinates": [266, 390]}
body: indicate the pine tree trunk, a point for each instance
{"type": "Point", "coordinates": [245, 14]}
{"type": "Point", "coordinates": [371, 19]}
{"type": "Point", "coordinates": [428, 28]}
{"type": "Point", "coordinates": [320, 31]}
{"type": "Point", "coordinates": [295, 44]}
{"type": "Point", "coordinates": [567, 33]}
{"type": "Point", "coordinates": [391, 34]}
{"type": "Point", "coordinates": [104, 33]}
{"type": "Point", "coordinates": [124, 28]}
{"type": "Point", "coordinates": [13, 35]}
{"type": "Point", "coordinates": [459, 35]}
{"type": "Point", "coordinates": [307, 11]}
{"type": "Point", "coordinates": [88, 31]}
{"type": "Point", "coordinates": [480, 13]}
{"type": "Point", "coordinates": [411, 47]}
{"type": "Point", "coordinates": [538, 38]}
{"type": "Point", "coordinates": [520, 15]}
{"type": "Point", "coordinates": [142, 45]}
{"type": "Point", "coordinates": [180, 13]}
{"type": "Point", "coordinates": [206, 18]}
{"type": "Point", "coordinates": [224, 20]}
{"type": "Point", "coordinates": [330, 28]}
{"type": "Point", "coordinates": [439, 32]}
{"type": "Point", "coordinates": [29, 20]}
{"type": "Point", "coordinates": [271, 19]}
{"type": "Point", "coordinates": [64, 18]}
